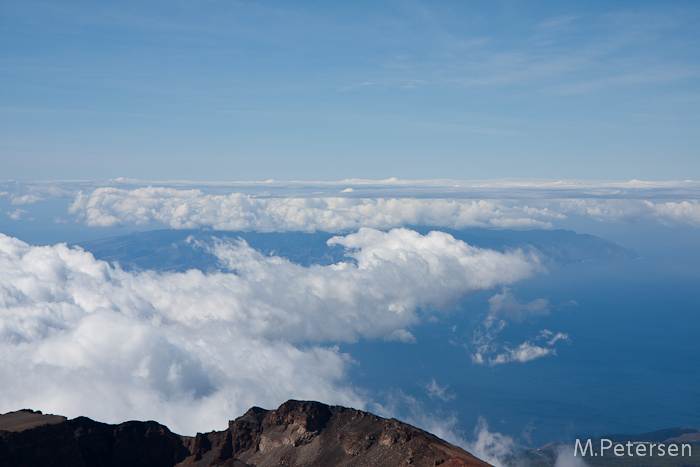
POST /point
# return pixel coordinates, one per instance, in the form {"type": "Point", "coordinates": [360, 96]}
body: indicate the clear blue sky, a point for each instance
{"type": "Point", "coordinates": [224, 90]}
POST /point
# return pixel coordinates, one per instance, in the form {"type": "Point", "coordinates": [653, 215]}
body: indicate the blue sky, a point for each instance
{"type": "Point", "coordinates": [328, 90]}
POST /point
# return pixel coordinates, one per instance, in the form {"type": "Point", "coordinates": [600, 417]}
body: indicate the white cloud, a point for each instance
{"type": "Point", "coordinates": [674, 213]}
{"type": "Point", "coordinates": [402, 335]}
{"type": "Point", "coordinates": [29, 198]}
{"type": "Point", "coordinates": [80, 337]}
{"type": "Point", "coordinates": [501, 205]}
{"type": "Point", "coordinates": [495, 448]}
{"type": "Point", "coordinates": [523, 353]}
{"type": "Point", "coordinates": [441, 392]}
{"type": "Point", "coordinates": [492, 447]}
{"type": "Point", "coordinates": [187, 209]}
{"type": "Point", "coordinates": [566, 458]}
{"type": "Point", "coordinates": [560, 336]}
{"type": "Point", "coordinates": [506, 305]}
{"type": "Point", "coordinates": [443, 425]}
{"type": "Point", "coordinates": [670, 213]}
{"type": "Point", "coordinates": [17, 214]}
{"type": "Point", "coordinates": [485, 348]}
{"type": "Point", "coordinates": [347, 205]}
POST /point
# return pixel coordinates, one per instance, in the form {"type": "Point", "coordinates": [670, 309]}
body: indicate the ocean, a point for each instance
{"type": "Point", "coordinates": [632, 364]}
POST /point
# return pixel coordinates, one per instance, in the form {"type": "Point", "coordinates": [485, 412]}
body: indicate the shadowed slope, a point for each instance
{"type": "Point", "coordinates": [298, 433]}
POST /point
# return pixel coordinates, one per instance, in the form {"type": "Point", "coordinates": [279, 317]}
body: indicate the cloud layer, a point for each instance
{"type": "Point", "coordinates": [79, 336]}
{"type": "Point", "coordinates": [188, 209]}
{"type": "Point", "coordinates": [345, 206]}
{"type": "Point", "coordinates": [193, 208]}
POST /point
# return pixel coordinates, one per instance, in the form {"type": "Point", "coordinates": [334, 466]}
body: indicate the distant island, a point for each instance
{"type": "Point", "coordinates": [180, 250]}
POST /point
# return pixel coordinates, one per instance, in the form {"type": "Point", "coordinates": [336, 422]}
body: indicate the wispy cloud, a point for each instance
{"type": "Point", "coordinates": [17, 214]}
{"type": "Point", "coordinates": [29, 198]}
{"type": "Point", "coordinates": [493, 447]}
{"type": "Point", "coordinates": [444, 425]}
{"type": "Point", "coordinates": [565, 458]}
{"type": "Point", "coordinates": [487, 350]}
{"type": "Point", "coordinates": [440, 392]}
{"type": "Point", "coordinates": [506, 305]}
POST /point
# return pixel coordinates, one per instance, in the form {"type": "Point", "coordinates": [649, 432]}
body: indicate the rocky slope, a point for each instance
{"type": "Point", "coordinates": [298, 433]}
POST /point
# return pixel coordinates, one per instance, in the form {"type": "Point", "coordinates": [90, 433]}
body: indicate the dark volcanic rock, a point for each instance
{"type": "Point", "coordinates": [84, 442]}
{"type": "Point", "coordinates": [298, 433]}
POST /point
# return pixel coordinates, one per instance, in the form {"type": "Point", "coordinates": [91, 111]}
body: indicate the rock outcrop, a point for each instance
{"type": "Point", "coordinates": [298, 433]}
{"type": "Point", "coordinates": [84, 442]}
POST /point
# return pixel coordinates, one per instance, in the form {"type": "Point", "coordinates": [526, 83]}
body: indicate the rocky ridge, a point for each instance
{"type": "Point", "coordinates": [298, 433]}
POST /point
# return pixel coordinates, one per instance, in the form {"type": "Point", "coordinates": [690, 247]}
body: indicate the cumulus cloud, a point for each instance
{"type": "Point", "coordinates": [78, 336]}
{"type": "Point", "coordinates": [676, 213]}
{"type": "Point", "coordinates": [670, 213]}
{"type": "Point", "coordinates": [512, 207]}
{"type": "Point", "coordinates": [187, 209]}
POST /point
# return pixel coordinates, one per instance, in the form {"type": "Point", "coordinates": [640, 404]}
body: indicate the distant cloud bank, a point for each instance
{"type": "Point", "coordinates": [188, 209]}
{"type": "Point", "coordinates": [348, 205]}
{"type": "Point", "coordinates": [502, 205]}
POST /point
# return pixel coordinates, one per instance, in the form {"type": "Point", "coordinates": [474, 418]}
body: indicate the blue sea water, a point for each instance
{"type": "Point", "coordinates": [632, 364]}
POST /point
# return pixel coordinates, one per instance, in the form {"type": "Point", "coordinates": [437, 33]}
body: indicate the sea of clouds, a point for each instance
{"type": "Point", "coordinates": [349, 205]}
{"type": "Point", "coordinates": [79, 336]}
{"type": "Point", "coordinates": [188, 209]}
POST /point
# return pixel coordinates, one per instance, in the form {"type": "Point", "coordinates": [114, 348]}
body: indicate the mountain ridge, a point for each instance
{"type": "Point", "coordinates": [298, 433]}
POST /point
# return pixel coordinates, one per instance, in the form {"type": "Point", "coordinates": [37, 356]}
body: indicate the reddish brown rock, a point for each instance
{"type": "Point", "coordinates": [298, 433]}
{"type": "Point", "coordinates": [301, 433]}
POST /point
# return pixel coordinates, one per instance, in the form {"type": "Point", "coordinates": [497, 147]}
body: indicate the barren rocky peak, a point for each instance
{"type": "Point", "coordinates": [298, 433]}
